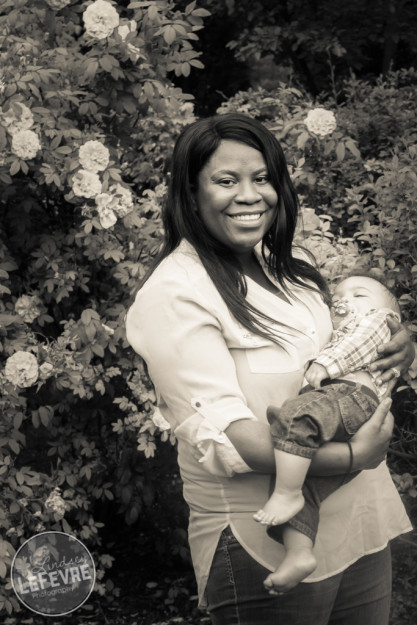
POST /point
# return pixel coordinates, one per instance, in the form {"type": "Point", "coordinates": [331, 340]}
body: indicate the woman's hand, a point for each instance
{"type": "Point", "coordinates": [371, 441]}
{"type": "Point", "coordinates": [396, 355]}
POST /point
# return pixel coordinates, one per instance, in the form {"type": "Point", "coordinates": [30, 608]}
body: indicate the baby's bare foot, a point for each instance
{"type": "Point", "coordinates": [296, 566]}
{"type": "Point", "coordinates": [280, 508]}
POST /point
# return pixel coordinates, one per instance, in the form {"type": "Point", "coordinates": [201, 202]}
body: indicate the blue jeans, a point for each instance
{"type": "Point", "coordinates": [333, 412]}
{"type": "Point", "coordinates": [360, 595]}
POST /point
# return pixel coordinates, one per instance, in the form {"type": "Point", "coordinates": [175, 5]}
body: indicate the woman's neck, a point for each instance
{"type": "Point", "coordinates": [252, 268]}
{"type": "Point", "coordinates": [248, 262]}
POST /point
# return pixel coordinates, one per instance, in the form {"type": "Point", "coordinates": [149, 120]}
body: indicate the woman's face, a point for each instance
{"type": "Point", "coordinates": [235, 198]}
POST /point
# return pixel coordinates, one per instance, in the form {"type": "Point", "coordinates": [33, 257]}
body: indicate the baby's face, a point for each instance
{"type": "Point", "coordinates": [358, 294]}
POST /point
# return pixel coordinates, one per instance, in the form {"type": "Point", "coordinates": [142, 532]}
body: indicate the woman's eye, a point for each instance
{"type": "Point", "coordinates": [226, 182]}
{"type": "Point", "coordinates": [264, 179]}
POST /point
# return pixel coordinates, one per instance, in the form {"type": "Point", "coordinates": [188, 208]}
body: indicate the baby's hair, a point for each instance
{"type": "Point", "coordinates": [374, 274]}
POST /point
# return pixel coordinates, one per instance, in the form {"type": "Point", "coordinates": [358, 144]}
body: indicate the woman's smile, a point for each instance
{"type": "Point", "coordinates": [235, 198]}
{"type": "Point", "coordinates": [248, 217]}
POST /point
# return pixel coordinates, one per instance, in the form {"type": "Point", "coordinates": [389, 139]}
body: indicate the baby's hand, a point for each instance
{"type": "Point", "coordinates": [315, 374]}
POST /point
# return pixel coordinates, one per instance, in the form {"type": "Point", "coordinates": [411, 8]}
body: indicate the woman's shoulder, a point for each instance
{"type": "Point", "coordinates": [181, 274]}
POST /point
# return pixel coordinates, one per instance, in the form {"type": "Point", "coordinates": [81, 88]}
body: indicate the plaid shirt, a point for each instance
{"type": "Point", "coordinates": [355, 345]}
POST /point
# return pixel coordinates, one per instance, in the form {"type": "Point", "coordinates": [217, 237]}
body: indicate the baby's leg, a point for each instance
{"type": "Point", "coordinates": [298, 563]}
{"type": "Point", "coordinates": [287, 498]}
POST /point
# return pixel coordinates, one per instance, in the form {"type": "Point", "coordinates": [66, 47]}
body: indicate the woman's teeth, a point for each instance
{"type": "Point", "coordinates": [252, 217]}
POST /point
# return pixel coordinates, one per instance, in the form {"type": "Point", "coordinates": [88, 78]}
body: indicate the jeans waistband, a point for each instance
{"type": "Point", "coordinates": [365, 389]}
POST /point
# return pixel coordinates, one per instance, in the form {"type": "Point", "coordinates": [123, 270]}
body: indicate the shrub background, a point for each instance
{"type": "Point", "coordinates": [90, 109]}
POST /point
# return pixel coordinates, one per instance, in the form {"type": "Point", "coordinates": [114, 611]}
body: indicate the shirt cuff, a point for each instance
{"type": "Point", "coordinates": [333, 369]}
{"type": "Point", "coordinates": [204, 431]}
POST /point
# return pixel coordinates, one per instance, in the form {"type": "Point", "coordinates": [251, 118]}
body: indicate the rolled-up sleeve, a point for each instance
{"type": "Point", "coordinates": [180, 337]}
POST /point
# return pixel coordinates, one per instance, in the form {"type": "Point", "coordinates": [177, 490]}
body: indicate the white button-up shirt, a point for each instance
{"type": "Point", "coordinates": [209, 371]}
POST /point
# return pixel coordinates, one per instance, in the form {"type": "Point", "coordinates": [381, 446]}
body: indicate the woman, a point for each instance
{"type": "Point", "coordinates": [226, 330]}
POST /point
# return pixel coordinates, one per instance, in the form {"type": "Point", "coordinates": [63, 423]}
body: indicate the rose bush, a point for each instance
{"type": "Point", "coordinates": [88, 116]}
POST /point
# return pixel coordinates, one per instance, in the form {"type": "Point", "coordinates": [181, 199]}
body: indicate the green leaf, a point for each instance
{"type": "Point", "coordinates": [20, 478]}
{"type": "Point", "coordinates": [14, 167]}
{"type": "Point", "coordinates": [14, 446]}
{"type": "Point", "coordinates": [190, 7]}
{"type": "Point", "coordinates": [169, 34]}
{"type": "Point", "coordinates": [90, 331]}
{"type": "Point", "coordinates": [353, 149]}
{"type": "Point", "coordinates": [302, 139]}
{"type": "Point", "coordinates": [45, 413]}
{"type": "Point", "coordinates": [86, 316]}
{"type": "Point", "coordinates": [66, 526]}
{"type": "Point", "coordinates": [152, 11]}
{"type": "Point", "coordinates": [340, 151]}
{"type": "Point", "coordinates": [196, 63]}
{"type": "Point", "coordinates": [98, 350]}
{"type": "Point", "coordinates": [64, 149]}
{"type": "Point", "coordinates": [14, 508]}
{"type": "Point", "coordinates": [201, 13]}
{"type": "Point", "coordinates": [92, 68]}
{"type": "Point", "coordinates": [17, 420]}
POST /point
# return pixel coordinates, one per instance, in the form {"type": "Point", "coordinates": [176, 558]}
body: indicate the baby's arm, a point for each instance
{"type": "Point", "coordinates": [354, 351]}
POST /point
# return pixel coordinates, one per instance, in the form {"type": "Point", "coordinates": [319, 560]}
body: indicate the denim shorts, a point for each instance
{"type": "Point", "coordinates": [360, 595]}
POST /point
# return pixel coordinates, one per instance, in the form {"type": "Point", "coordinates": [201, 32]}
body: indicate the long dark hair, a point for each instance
{"type": "Point", "coordinates": [193, 149]}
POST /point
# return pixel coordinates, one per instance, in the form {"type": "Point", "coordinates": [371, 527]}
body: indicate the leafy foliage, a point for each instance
{"type": "Point", "coordinates": [88, 116]}
{"type": "Point", "coordinates": [318, 41]}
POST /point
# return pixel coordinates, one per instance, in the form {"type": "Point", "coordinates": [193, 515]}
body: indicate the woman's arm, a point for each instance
{"type": "Point", "coordinates": [253, 442]}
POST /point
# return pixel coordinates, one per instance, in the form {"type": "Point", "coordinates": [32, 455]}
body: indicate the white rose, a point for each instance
{"type": "Point", "coordinates": [118, 202]}
{"type": "Point", "coordinates": [56, 5]}
{"type": "Point", "coordinates": [22, 369]}
{"type": "Point", "coordinates": [123, 31]}
{"type": "Point", "coordinates": [94, 156]}
{"type": "Point", "coordinates": [103, 200]}
{"type": "Point", "coordinates": [45, 371]}
{"type": "Point", "coordinates": [160, 421]}
{"type": "Point", "coordinates": [134, 52]}
{"type": "Point", "coordinates": [100, 19]}
{"type": "Point", "coordinates": [18, 117]}
{"type": "Point", "coordinates": [122, 203]}
{"type": "Point", "coordinates": [25, 144]}
{"type": "Point", "coordinates": [55, 503]}
{"type": "Point", "coordinates": [126, 28]}
{"type": "Point", "coordinates": [161, 190]}
{"type": "Point", "coordinates": [86, 183]}
{"type": "Point", "coordinates": [107, 217]}
{"type": "Point", "coordinates": [29, 307]}
{"type": "Point", "coordinates": [320, 122]}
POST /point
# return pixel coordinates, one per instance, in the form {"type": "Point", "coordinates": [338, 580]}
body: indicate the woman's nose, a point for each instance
{"type": "Point", "coordinates": [247, 192]}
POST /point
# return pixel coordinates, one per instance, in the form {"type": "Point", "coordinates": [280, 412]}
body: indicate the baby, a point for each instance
{"type": "Point", "coordinates": [333, 407]}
